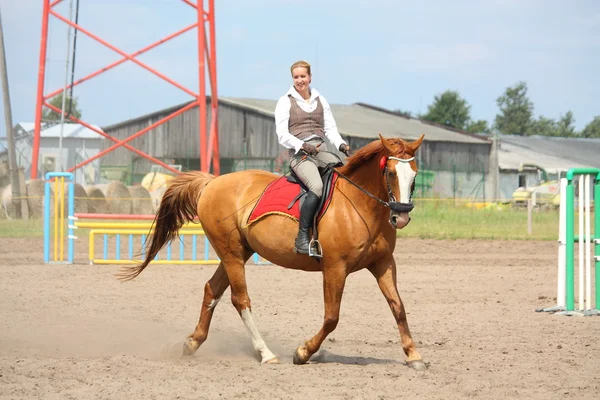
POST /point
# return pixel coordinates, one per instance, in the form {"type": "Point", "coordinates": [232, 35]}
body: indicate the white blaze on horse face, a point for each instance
{"type": "Point", "coordinates": [406, 175]}
{"type": "Point", "coordinates": [257, 341]}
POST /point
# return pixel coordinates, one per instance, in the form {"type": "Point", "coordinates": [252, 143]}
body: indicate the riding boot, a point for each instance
{"type": "Point", "coordinates": [307, 214]}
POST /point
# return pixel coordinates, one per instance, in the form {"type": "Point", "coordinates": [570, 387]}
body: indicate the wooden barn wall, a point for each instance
{"type": "Point", "coordinates": [242, 133]}
{"type": "Point", "coordinates": [249, 134]}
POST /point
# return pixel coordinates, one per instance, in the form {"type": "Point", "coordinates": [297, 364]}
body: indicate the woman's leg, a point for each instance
{"type": "Point", "coordinates": [308, 173]}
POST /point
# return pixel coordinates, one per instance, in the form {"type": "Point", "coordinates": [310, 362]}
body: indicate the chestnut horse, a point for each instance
{"type": "Point", "coordinates": [357, 231]}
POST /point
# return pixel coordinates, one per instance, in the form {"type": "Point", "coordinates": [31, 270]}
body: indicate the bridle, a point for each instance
{"type": "Point", "coordinates": [394, 206]}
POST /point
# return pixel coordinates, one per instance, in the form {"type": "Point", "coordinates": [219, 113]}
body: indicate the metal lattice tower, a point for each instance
{"type": "Point", "coordinates": [209, 144]}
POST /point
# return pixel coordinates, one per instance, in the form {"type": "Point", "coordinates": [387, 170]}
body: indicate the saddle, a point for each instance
{"type": "Point", "coordinates": [285, 196]}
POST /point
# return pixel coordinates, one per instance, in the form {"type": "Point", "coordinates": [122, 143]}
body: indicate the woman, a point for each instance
{"type": "Point", "coordinates": [303, 120]}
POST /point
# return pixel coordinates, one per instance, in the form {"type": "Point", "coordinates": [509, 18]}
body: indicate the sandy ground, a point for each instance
{"type": "Point", "coordinates": [73, 331]}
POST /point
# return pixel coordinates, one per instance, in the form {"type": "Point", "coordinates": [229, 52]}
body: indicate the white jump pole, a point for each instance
{"type": "Point", "coordinates": [581, 237]}
{"type": "Point", "coordinates": [588, 243]}
{"type": "Point", "coordinates": [562, 242]}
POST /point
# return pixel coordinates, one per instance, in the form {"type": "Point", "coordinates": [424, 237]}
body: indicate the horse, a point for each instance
{"type": "Point", "coordinates": [357, 231]}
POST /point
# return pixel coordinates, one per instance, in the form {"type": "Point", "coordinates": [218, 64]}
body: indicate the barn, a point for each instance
{"type": "Point", "coordinates": [452, 163]}
{"type": "Point", "coordinates": [78, 144]}
{"type": "Point", "coordinates": [520, 159]}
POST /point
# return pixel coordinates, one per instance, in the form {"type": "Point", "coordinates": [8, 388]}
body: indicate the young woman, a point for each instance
{"type": "Point", "coordinates": [303, 120]}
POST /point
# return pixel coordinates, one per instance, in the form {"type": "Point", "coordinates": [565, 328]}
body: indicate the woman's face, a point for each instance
{"type": "Point", "coordinates": [301, 78]}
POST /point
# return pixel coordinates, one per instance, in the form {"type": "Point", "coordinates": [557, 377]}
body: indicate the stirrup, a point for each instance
{"type": "Point", "coordinates": [315, 249]}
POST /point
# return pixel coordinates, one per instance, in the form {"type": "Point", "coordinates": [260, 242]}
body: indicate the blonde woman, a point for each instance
{"type": "Point", "coordinates": [303, 120]}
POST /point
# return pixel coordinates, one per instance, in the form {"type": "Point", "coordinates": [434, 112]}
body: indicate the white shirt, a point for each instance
{"type": "Point", "coordinates": [282, 118]}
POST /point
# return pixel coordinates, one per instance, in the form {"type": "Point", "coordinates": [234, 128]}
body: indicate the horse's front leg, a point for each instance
{"type": "Point", "coordinates": [334, 280]}
{"type": "Point", "coordinates": [385, 273]}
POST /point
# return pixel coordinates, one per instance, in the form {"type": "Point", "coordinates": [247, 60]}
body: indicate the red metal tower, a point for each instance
{"type": "Point", "coordinates": [207, 55]}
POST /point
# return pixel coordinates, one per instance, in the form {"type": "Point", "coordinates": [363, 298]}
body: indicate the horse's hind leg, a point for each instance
{"type": "Point", "coordinates": [213, 290]}
{"type": "Point", "coordinates": [385, 273]}
{"type": "Point", "coordinates": [334, 280]}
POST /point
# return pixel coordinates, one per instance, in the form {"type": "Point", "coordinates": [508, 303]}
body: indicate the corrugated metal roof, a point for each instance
{"type": "Point", "coordinates": [69, 131]}
{"type": "Point", "coordinates": [367, 122]}
{"type": "Point", "coordinates": [548, 152]}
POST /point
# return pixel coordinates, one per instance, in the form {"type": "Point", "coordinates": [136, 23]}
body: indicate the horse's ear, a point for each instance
{"type": "Point", "coordinates": [417, 143]}
{"type": "Point", "coordinates": [386, 144]}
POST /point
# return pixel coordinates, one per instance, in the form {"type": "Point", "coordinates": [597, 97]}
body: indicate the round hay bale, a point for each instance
{"type": "Point", "coordinates": [141, 201]}
{"type": "Point", "coordinates": [81, 200]}
{"type": "Point", "coordinates": [156, 196]}
{"type": "Point", "coordinates": [117, 197]}
{"type": "Point", "coordinates": [154, 180]}
{"type": "Point", "coordinates": [7, 210]}
{"type": "Point", "coordinates": [96, 201]}
{"type": "Point", "coordinates": [3, 214]}
{"type": "Point", "coordinates": [35, 198]}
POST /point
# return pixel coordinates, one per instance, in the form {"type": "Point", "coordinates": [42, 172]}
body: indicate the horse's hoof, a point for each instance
{"type": "Point", "coordinates": [190, 346]}
{"type": "Point", "coordinates": [301, 355]}
{"type": "Point", "coordinates": [273, 360]}
{"type": "Point", "coordinates": [417, 365]}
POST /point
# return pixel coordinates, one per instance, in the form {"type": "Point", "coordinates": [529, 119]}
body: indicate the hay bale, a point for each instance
{"type": "Point", "coordinates": [3, 214]}
{"type": "Point", "coordinates": [7, 208]}
{"type": "Point", "coordinates": [96, 201]}
{"type": "Point", "coordinates": [35, 198]}
{"type": "Point", "coordinates": [141, 201]}
{"type": "Point", "coordinates": [154, 180]}
{"type": "Point", "coordinates": [81, 200]}
{"type": "Point", "coordinates": [156, 196]}
{"type": "Point", "coordinates": [117, 196]}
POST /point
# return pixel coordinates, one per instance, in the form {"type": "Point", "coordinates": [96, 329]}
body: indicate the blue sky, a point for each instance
{"type": "Point", "coordinates": [390, 53]}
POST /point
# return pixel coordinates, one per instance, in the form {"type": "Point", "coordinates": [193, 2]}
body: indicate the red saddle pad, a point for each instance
{"type": "Point", "coordinates": [278, 195]}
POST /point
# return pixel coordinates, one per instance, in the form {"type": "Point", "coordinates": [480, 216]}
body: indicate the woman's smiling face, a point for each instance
{"type": "Point", "coordinates": [301, 79]}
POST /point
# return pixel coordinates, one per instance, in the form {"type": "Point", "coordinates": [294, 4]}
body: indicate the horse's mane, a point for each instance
{"type": "Point", "coordinates": [367, 153]}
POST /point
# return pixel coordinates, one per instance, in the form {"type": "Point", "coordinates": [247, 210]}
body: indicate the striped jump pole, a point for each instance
{"type": "Point", "coordinates": [132, 258]}
{"type": "Point", "coordinates": [54, 224]}
{"type": "Point", "coordinates": [565, 298]}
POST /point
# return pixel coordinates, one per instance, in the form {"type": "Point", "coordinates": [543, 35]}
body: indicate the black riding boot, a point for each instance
{"type": "Point", "coordinates": [307, 214]}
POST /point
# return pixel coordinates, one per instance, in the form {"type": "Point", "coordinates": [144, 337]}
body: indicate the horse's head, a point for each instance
{"type": "Point", "coordinates": [399, 172]}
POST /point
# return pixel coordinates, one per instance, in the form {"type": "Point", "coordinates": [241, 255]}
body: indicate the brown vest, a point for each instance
{"type": "Point", "coordinates": [303, 124]}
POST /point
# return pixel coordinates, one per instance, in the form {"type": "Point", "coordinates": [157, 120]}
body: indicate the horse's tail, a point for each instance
{"type": "Point", "coordinates": [178, 206]}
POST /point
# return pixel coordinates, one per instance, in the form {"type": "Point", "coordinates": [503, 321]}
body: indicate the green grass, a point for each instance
{"type": "Point", "coordinates": [32, 228]}
{"type": "Point", "coordinates": [430, 219]}
{"type": "Point", "coordinates": [444, 220]}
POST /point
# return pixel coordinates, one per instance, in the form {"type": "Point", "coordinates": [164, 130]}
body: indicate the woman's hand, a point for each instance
{"type": "Point", "coordinates": [344, 148]}
{"type": "Point", "coordinates": [310, 149]}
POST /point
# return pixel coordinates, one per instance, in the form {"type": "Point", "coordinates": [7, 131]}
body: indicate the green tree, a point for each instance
{"type": "Point", "coordinates": [449, 109]}
{"type": "Point", "coordinates": [592, 130]}
{"type": "Point", "coordinates": [566, 125]}
{"type": "Point", "coordinates": [480, 126]}
{"type": "Point", "coordinates": [56, 101]}
{"type": "Point", "coordinates": [516, 110]}
{"type": "Point", "coordinates": [543, 127]}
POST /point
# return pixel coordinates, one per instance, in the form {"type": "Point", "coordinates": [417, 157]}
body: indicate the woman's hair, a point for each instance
{"type": "Point", "coordinates": [301, 63]}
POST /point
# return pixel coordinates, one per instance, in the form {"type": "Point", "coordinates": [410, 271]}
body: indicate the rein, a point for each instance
{"type": "Point", "coordinates": [392, 204]}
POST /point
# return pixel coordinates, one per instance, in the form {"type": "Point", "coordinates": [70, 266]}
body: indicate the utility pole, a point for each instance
{"type": "Point", "coordinates": [12, 161]}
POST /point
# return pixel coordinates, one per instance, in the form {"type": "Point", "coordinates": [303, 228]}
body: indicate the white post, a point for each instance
{"type": "Point", "coordinates": [581, 233]}
{"type": "Point", "coordinates": [588, 264]}
{"type": "Point", "coordinates": [562, 242]}
{"type": "Point", "coordinates": [529, 216]}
